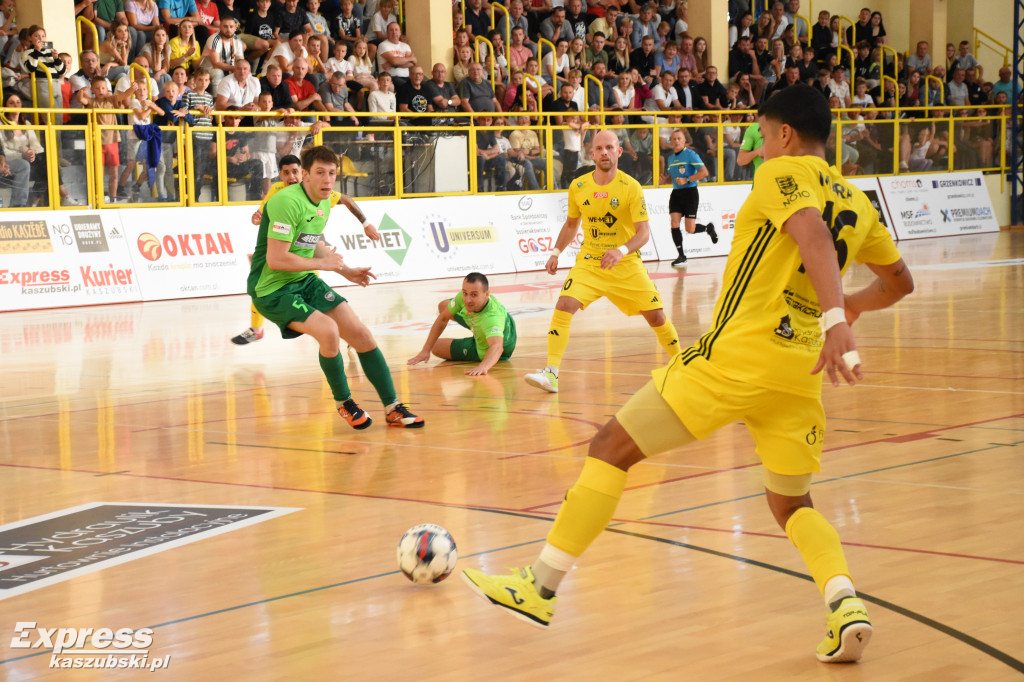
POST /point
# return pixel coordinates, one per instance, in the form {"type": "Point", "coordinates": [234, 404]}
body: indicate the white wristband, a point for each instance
{"type": "Point", "coordinates": [556, 251]}
{"type": "Point", "coordinates": [367, 223]}
{"type": "Point", "coordinates": [624, 250]}
{"type": "Point", "coordinates": [831, 318]}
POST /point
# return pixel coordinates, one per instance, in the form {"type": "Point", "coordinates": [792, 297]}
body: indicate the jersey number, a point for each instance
{"type": "Point", "coordinates": [299, 305]}
{"type": "Point", "coordinates": [568, 283]}
{"type": "Point", "coordinates": [842, 219]}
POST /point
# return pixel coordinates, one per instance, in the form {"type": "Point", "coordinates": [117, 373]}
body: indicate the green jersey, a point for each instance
{"type": "Point", "coordinates": [290, 216]}
{"type": "Point", "coordinates": [492, 320]}
{"type": "Point", "coordinates": [752, 140]}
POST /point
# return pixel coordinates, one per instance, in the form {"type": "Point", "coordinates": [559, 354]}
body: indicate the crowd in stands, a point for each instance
{"type": "Point", "coordinates": [173, 62]}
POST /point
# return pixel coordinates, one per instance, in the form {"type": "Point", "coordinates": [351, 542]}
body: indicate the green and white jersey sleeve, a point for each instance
{"type": "Point", "coordinates": [290, 216]}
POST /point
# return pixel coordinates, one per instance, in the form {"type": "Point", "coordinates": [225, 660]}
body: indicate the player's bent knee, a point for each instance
{"type": "Point", "coordinates": [567, 304]}
{"type": "Point", "coordinates": [614, 445]}
{"type": "Point", "coordinates": [655, 318]}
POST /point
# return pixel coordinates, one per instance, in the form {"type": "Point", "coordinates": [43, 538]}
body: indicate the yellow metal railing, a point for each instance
{"type": "Point", "coordinates": [383, 158]}
{"type": "Point", "coordinates": [539, 84]}
{"type": "Point", "coordinates": [982, 39]}
{"type": "Point", "coordinates": [586, 92]}
{"type": "Point", "coordinates": [928, 93]}
{"type": "Point", "coordinates": [491, 57]}
{"type": "Point", "coordinates": [35, 92]}
{"type": "Point", "coordinates": [81, 22]}
{"type": "Point", "coordinates": [498, 8]}
{"type": "Point", "coordinates": [541, 42]}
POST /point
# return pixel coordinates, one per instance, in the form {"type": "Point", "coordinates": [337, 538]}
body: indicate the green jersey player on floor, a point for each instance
{"type": "Point", "coordinates": [494, 331]}
{"type": "Point", "coordinates": [286, 289]}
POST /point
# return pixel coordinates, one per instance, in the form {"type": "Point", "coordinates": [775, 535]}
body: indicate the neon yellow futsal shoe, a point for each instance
{"type": "Point", "coordinates": [545, 379]}
{"type": "Point", "coordinates": [847, 633]}
{"type": "Point", "coordinates": [515, 593]}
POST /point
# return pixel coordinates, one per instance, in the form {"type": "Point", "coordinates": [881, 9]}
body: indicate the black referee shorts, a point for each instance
{"type": "Point", "coordinates": [684, 200]}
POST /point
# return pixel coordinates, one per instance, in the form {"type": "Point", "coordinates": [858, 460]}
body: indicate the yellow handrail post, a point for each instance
{"type": "Point", "coordinates": [881, 61]}
{"type": "Point", "coordinates": [396, 141]}
{"type": "Point", "coordinates": [35, 92]}
{"type": "Point", "coordinates": [839, 45]}
{"type": "Point", "coordinates": [190, 180]}
{"type": "Point", "coordinates": [82, 21]}
{"type": "Point", "coordinates": [473, 176]}
{"type": "Point", "coordinates": [222, 164]}
{"type": "Point", "coordinates": [978, 34]}
{"type": "Point", "coordinates": [97, 157]}
{"type": "Point", "coordinates": [508, 22]}
{"type": "Point", "coordinates": [586, 93]}
{"type": "Point", "coordinates": [541, 42]}
{"type": "Point", "coordinates": [895, 92]}
{"type": "Point", "coordinates": [853, 57]}
{"type": "Point", "coordinates": [494, 61]}
{"type": "Point", "coordinates": [549, 138]}
{"type": "Point", "coordinates": [839, 141]}
{"type": "Point", "coordinates": [949, 142]}
{"type": "Point", "coordinates": [927, 93]}
{"type": "Point", "coordinates": [537, 82]}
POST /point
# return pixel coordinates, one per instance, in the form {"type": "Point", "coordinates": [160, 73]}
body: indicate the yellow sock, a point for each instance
{"type": "Point", "coordinates": [818, 544]}
{"type": "Point", "coordinates": [558, 337]}
{"type": "Point", "coordinates": [588, 506]}
{"type": "Point", "coordinates": [255, 319]}
{"type": "Point", "coordinates": [667, 337]}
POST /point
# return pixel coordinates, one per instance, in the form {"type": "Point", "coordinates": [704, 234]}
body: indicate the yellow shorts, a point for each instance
{"type": "Point", "coordinates": [788, 429]}
{"type": "Point", "coordinates": [627, 285]}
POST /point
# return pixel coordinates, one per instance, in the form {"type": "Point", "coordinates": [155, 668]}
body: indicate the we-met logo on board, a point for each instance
{"type": "Point", "coordinates": [394, 240]}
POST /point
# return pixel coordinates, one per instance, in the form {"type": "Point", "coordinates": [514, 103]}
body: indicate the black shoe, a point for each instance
{"type": "Point", "coordinates": [680, 261]}
{"type": "Point", "coordinates": [710, 228]}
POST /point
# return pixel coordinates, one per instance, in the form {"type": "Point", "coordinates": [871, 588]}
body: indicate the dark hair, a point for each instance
{"type": "Point", "coordinates": [289, 160]}
{"type": "Point", "coordinates": [311, 155]}
{"type": "Point", "coordinates": [802, 108]}
{"type": "Point", "coordinates": [475, 277]}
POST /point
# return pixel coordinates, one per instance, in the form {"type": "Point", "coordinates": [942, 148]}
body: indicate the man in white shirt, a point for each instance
{"type": "Point", "coordinates": [221, 52]}
{"type": "Point", "coordinates": [840, 86]}
{"type": "Point", "coordinates": [241, 90]}
{"type": "Point", "coordinates": [394, 56]}
{"type": "Point", "coordinates": [285, 54]}
{"type": "Point", "coordinates": [663, 96]}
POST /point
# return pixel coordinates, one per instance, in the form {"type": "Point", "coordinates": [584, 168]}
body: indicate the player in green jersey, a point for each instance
{"type": "Point", "coordinates": [494, 331]}
{"type": "Point", "coordinates": [285, 288]}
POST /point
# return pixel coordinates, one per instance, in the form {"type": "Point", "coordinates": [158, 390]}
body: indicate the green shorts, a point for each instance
{"type": "Point", "coordinates": [295, 302]}
{"type": "Point", "coordinates": [465, 349]}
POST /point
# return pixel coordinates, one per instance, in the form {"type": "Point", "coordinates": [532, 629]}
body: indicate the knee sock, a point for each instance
{"type": "Point", "coordinates": [587, 509]}
{"type": "Point", "coordinates": [677, 239]}
{"type": "Point", "coordinates": [699, 228]}
{"type": "Point", "coordinates": [334, 370]}
{"type": "Point", "coordinates": [558, 337]}
{"type": "Point", "coordinates": [819, 546]}
{"type": "Point", "coordinates": [667, 337]}
{"type": "Point", "coordinates": [376, 369]}
{"type": "Point", "coordinates": [255, 319]}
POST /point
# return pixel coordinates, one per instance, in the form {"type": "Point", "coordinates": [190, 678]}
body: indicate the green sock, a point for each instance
{"type": "Point", "coordinates": [334, 370]}
{"type": "Point", "coordinates": [377, 372]}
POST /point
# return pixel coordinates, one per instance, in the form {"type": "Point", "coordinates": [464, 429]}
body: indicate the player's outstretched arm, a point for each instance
{"type": "Point", "coordinates": [369, 228]}
{"type": "Point", "coordinates": [817, 250]}
{"type": "Point", "coordinates": [892, 283]}
{"type": "Point", "coordinates": [443, 317]}
{"type": "Point", "coordinates": [494, 348]}
{"type": "Point", "coordinates": [565, 237]}
{"type": "Point", "coordinates": [280, 258]}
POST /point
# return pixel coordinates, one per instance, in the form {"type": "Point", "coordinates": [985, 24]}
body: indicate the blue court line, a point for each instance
{"type": "Point", "coordinates": [831, 480]}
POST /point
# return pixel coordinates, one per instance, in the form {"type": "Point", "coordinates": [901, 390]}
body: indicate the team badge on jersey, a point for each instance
{"type": "Point", "coordinates": [615, 202]}
{"type": "Point", "coordinates": [787, 185]}
{"type": "Point", "coordinates": [320, 212]}
{"type": "Point", "coordinates": [329, 296]}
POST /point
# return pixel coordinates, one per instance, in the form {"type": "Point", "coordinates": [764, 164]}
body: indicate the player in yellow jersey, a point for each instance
{"type": "Point", "coordinates": [610, 205]}
{"type": "Point", "coordinates": [291, 173]}
{"type": "Point", "coordinates": [781, 319]}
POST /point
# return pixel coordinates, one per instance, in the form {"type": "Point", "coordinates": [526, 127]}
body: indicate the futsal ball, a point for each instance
{"type": "Point", "coordinates": [427, 554]}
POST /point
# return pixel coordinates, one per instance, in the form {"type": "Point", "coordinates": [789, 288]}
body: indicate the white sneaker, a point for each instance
{"type": "Point", "coordinates": [546, 379]}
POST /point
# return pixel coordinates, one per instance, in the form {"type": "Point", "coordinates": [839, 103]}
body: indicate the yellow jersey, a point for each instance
{"type": "Point", "coordinates": [279, 185]}
{"type": "Point", "coordinates": [609, 213]}
{"type": "Point", "coordinates": [765, 330]}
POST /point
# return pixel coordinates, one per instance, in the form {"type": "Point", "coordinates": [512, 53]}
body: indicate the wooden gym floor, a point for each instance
{"type": "Point", "coordinates": [923, 476]}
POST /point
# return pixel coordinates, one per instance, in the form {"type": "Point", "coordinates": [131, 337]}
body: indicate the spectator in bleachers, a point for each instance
{"type": "Point", "coordinates": [877, 36]}
{"type": "Point", "coordinates": [318, 48]}
{"type": "Point", "coordinates": [594, 96]}
{"type": "Point", "coordinates": [43, 61]}
{"type": "Point", "coordinates": [863, 66]}
{"type": "Point", "coordinates": [9, 22]}
{"type": "Point", "coordinates": [463, 60]}
{"type": "Point", "coordinates": [966, 61]}
{"type": "Point", "coordinates": [576, 18]}
{"type": "Point", "coordinates": [681, 22]}
{"type": "Point", "coordinates": [273, 84]}
{"type": "Point", "coordinates": [316, 20]}
{"type": "Point", "coordinates": [518, 52]}
{"type": "Point", "coordinates": [440, 92]}
{"type": "Point", "coordinates": [623, 92]}
{"type": "Point", "coordinates": [173, 12]}
{"type": "Point", "coordinates": [779, 19]}
{"type": "Point", "coordinates": [362, 68]}
{"type": "Point", "coordinates": [239, 90]}
{"type": "Point", "coordinates": [382, 100]}
{"type": "Point", "coordinates": [144, 17]}
{"type": "Point", "coordinates": [861, 30]}
{"type": "Point", "coordinates": [575, 54]}
{"type": "Point", "coordinates": [476, 93]}
{"type": "Point", "coordinates": [292, 19]}
{"type": "Point", "coordinates": [90, 63]}
{"type": "Point", "coordinates": [686, 90]}
{"type": "Point", "coordinates": [23, 145]}
{"type": "Point", "coordinates": [564, 102]}
{"type": "Point", "coordinates": [796, 21]}
{"type": "Point", "coordinates": [808, 65]}
{"type": "Point", "coordinates": [642, 59]}
{"type": "Point", "coordinates": [950, 60]}
{"type": "Point", "coordinates": [109, 13]}
{"type": "Point", "coordinates": [920, 61]}
{"type": "Point", "coordinates": [97, 96]}
{"type": "Point", "coordinates": [700, 57]}
{"type": "Point", "coordinates": [533, 69]}
{"type": "Point", "coordinates": [765, 26]}
{"type": "Point", "coordinates": [606, 25]}
{"type": "Point", "coordinates": [745, 99]}
{"type": "Point", "coordinates": [705, 143]}
{"type": "Point", "coordinates": [554, 28]}
{"type": "Point", "coordinates": [222, 51]}
{"type": "Point", "coordinates": [513, 94]}
{"type": "Point", "coordinates": [661, 37]}
{"type": "Point", "coordinates": [618, 60]}
{"type": "Point", "coordinates": [790, 76]}
{"type": "Point", "coordinates": [384, 16]}
{"type": "Point", "coordinates": [517, 16]}
{"type": "Point", "coordinates": [303, 92]}
{"type": "Point", "coordinates": [340, 62]}
{"type": "Point", "coordinates": [595, 52]}
{"type": "Point", "coordinates": [395, 56]}
{"type": "Point", "coordinates": [861, 98]}
{"type": "Point", "coordinates": [209, 15]}
{"type": "Point", "coordinates": [180, 77]}
{"type": "Point", "coordinates": [956, 89]}
{"type": "Point", "coordinates": [744, 26]}
{"type": "Point", "coordinates": [287, 51]}
{"type": "Point", "coordinates": [646, 25]}
{"type": "Point", "coordinates": [527, 151]}
{"type": "Point", "coordinates": [347, 26]}
{"type": "Point", "coordinates": [821, 36]}
{"type": "Point", "coordinates": [741, 58]}
{"type": "Point", "coordinates": [115, 51]}
{"type": "Point", "coordinates": [840, 86]}
{"type": "Point", "coordinates": [668, 58]}
{"type": "Point", "coordinates": [185, 48]}
{"type": "Point", "coordinates": [175, 115]}
{"type": "Point", "coordinates": [1004, 84]}
{"type": "Point", "coordinates": [478, 18]}
{"type": "Point", "coordinates": [625, 30]}
{"type": "Point", "coordinates": [412, 97]}
{"type": "Point", "coordinates": [712, 93]}
{"type": "Point", "coordinates": [227, 8]}
{"type": "Point", "coordinates": [334, 95]}
{"type": "Point", "coordinates": [664, 97]}
{"type": "Point", "coordinates": [490, 161]}
{"type": "Point", "coordinates": [935, 91]}
{"type": "Point", "coordinates": [158, 52]}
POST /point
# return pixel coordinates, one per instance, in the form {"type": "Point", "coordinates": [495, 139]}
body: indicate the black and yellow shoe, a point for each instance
{"type": "Point", "coordinates": [847, 633]}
